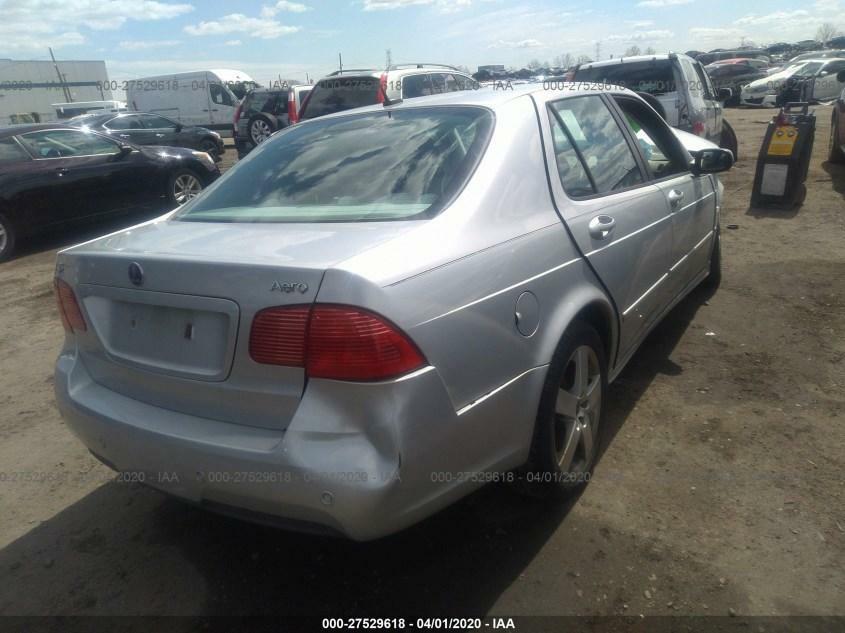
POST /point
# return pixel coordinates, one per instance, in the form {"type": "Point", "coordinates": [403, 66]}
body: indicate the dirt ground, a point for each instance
{"type": "Point", "coordinates": [720, 488]}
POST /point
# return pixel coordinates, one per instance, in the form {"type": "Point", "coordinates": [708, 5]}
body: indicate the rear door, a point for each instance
{"type": "Point", "coordinates": [129, 127]}
{"type": "Point", "coordinates": [159, 130]}
{"type": "Point", "coordinates": [619, 221]}
{"type": "Point", "coordinates": [690, 200]}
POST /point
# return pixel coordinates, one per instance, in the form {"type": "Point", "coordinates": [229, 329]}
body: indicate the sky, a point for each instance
{"type": "Point", "coordinates": [291, 39]}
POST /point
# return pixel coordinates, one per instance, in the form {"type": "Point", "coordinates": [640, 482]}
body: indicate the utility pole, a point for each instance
{"type": "Point", "coordinates": [389, 59]}
{"type": "Point", "coordinates": [65, 89]}
{"type": "Point", "coordinates": [340, 62]}
{"type": "Point", "coordinates": [598, 51]}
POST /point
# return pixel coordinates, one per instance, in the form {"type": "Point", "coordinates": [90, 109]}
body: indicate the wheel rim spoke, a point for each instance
{"type": "Point", "coordinates": [593, 394]}
{"type": "Point", "coordinates": [581, 371]}
{"type": "Point", "coordinates": [567, 403]}
{"type": "Point", "coordinates": [586, 434]}
{"type": "Point", "coordinates": [572, 437]}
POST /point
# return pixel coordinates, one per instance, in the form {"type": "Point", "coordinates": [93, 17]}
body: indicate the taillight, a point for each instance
{"type": "Point", "coordinates": [698, 128]}
{"type": "Point", "coordinates": [293, 115]}
{"type": "Point", "coordinates": [72, 318]}
{"type": "Point", "coordinates": [333, 341]}
{"type": "Point", "coordinates": [382, 88]}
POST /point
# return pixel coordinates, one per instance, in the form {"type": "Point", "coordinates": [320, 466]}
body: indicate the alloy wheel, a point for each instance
{"type": "Point", "coordinates": [260, 130]}
{"type": "Point", "coordinates": [186, 187]}
{"type": "Point", "coordinates": [577, 411]}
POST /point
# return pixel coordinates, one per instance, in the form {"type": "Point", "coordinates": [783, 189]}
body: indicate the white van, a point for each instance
{"type": "Point", "coordinates": [206, 98]}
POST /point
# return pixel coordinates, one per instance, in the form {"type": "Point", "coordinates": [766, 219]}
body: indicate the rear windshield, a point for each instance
{"type": "Point", "coordinates": [654, 76]}
{"type": "Point", "coordinates": [400, 165]}
{"type": "Point", "coordinates": [342, 93]}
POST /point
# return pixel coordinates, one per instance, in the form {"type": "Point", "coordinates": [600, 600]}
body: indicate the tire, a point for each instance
{"type": "Point", "coordinates": [208, 146]}
{"type": "Point", "coordinates": [7, 239]}
{"type": "Point", "coordinates": [654, 103]}
{"type": "Point", "coordinates": [834, 154]}
{"type": "Point", "coordinates": [728, 139]}
{"type": "Point", "coordinates": [714, 279]}
{"type": "Point", "coordinates": [260, 128]}
{"type": "Point", "coordinates": [557, 467]}
{"type": "Point", "coordinates": [184, 185]}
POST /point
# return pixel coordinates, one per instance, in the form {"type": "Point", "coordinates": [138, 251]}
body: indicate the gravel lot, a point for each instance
{"type": "Point", "coordinates": [720, 487]}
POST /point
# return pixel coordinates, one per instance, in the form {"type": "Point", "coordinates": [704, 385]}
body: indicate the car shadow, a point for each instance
{"type": "Point", "coordinates": [124, 549]}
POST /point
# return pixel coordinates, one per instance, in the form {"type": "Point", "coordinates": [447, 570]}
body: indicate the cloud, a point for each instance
{"type": "Point", "coordinates": [35, 24]}
{"type": "Point", "coordinates": [529, 43]}
{"type": "Point", "coordinates": [658, 4]}
{"type": "Point", "coordinates": [445, 6]}
{"type": "Point", "coordinates": [641, 36]}
{"type": "Point", "coordinates": [266, 29]}
{"type": "Point", "coordinates": [138, 45]}
{"type": "Point", "coordinates": [232, 43]}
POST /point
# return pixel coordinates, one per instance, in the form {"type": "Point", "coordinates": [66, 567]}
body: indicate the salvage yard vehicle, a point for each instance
{"type": "Point", "coordinates": [379, 311]}
{"type": "Point", "coordinates": [836, 149]}
{"type": "Point", "coordinates": [810, 80]}
{"type": "Point", "coordinates": [678, 88]}
{"type": "Point", "coordinates": [733, 74]}
{"type": "Point", "coordinates": [52, 174]}
{"type": "Point", "coordinates": [207, 98]}
{"type": "Point", "coordinates": [264, 111]}
{"type": "Point", "coordinates": [347, 89]}
{"type": "Point", "coordinates": [143, 128]}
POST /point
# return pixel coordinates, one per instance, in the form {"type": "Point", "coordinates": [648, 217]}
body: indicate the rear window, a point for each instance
{"type": "Point", "coordinates": [341, 93]}
{"type": "Point", "coordinates": [398, 165]}
{"type": "Point", "coordinates": [265, 102]}
{"type": "Point", "coordinates": [654, 76]}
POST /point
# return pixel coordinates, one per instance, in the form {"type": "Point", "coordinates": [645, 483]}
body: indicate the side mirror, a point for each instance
{"type": "Point", "coordinates": [179, 127]}
{"type": "Point", "coordinates": [712, 161]}
{"type": "Point", "coordinates": [840, 76]}
{"type": "Point", "coordinates": [725, 94]}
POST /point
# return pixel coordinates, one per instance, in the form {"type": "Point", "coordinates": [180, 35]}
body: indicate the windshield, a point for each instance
{"type": "Point", "coordinates": [385, 165]}
{"type": "Point", "coordinates": [653, 77]}
{"type": "Point", "coordinates": [807, 70]}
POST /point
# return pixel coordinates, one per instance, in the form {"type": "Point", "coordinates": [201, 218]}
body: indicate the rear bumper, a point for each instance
{"type": "Point", "coordinates": [362, 460]}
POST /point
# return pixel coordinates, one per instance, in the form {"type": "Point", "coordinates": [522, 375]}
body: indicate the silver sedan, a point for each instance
{"type": "Point", "coordinates": [379, 311]}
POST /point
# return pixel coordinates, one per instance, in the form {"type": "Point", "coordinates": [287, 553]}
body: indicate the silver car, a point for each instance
{"type": "Point", "coordinates": [379, 311]}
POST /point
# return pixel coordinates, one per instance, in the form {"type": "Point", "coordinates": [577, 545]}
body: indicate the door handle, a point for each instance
{"type": "Point", "coordinates": [123, 135]}
{"type": "Point", "coordinates": [601, 226]}
{"type": "Point", "coordinates": [159, 135]}
{"type": "Point", "coordinates": [205, 110]}
{"type": "Point", "coordinates": [61, 171]}
{"type": "Point", "coordinates": [675, 198]}
{"type": "Point", "coordinates": [214, 109]}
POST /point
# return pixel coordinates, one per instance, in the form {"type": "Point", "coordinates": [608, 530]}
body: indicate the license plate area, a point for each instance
{"type": "Point", "coordinates": [180, 335]}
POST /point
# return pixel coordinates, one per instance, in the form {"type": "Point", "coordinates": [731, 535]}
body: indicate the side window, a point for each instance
{"type": "Point", "coordinates": [155, 122]}
{"type": "Point", "coordinates": [704, 80]}
{"type": "Point", "coordinates": [599, 141]}
{"type": "Point", "coordinates": [67, 143]}
{"type": "Point", "coordinates": [657, 143]}
{"type": "Point", "coordinates": [570, 169]}
{"type": "Point", "coordinates": [124, 123]}
{"type": "Point", "coordinates": [11, 152]}
{"type": "Point", "coordinates": [416, 86]}
{"type": "Point", "coordinates": [219, 94]}
{"type": "Point", "coordinates": [451, 84]}
{"type": "Point", "coordinates": [438, 83]}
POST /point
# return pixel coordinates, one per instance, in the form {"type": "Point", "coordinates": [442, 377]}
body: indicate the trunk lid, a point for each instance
{"type": "Point", "coordinates": [170, 306]}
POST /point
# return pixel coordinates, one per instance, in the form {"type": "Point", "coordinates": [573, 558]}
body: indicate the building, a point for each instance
{"type": "Point", "coordinates": [29, 87]}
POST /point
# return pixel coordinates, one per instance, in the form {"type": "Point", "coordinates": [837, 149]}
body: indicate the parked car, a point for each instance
{"type": "Point", "coordinates": [825, 54]}
{"type": "Point", "coordinates": [836, 153]}
{"type": "Point", "coordinates": [344, 90]}
{"type": "Point", "coordinates": [733, 74]}
{"type": "Point", "coordinates": [144, 128]}
{"type": "Point", "coordinates": [381, 310]}
{"type": "Point", "coordinates": [66, 111]}
{"type": "Point", "coordinates": [264, 111]}
{"type": "Point", "coordinates": [676, 86]}
{"type": "Point", "coordinates": [810, 80]}
{"type": "Point", "coordinates": [52, 174]}
{"type": "Point", "coordinates": [748, 53]}
{"type": "Point", "coordinates": [206, 98]}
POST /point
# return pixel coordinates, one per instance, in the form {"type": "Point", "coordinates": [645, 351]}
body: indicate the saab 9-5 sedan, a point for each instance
{"type": "Point", "coordinates": [377, 312]}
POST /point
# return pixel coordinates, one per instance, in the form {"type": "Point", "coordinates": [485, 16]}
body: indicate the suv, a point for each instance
{"type": "Point", "coordinates": [347, 89]}
{"type": "Point", "coordinates": [676, 86]}
{"type": "Point", "coordinates": [264, 111]}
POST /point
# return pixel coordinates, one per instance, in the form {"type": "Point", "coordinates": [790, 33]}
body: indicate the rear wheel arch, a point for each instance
{"type": "Point", "coordinates": [600, 317]}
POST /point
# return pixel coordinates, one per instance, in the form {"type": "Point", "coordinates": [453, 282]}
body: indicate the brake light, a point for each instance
{"type": "Point", "coordinates": [293, 115]}
{"type": "Point", "coordinates": [382, 89]}
{"type": "Point", "coordinates": [333, 341]}
{"type": "Point", "coordinates": [698, 128]}
{"type": "Point", "coordinates": [72, 318]}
